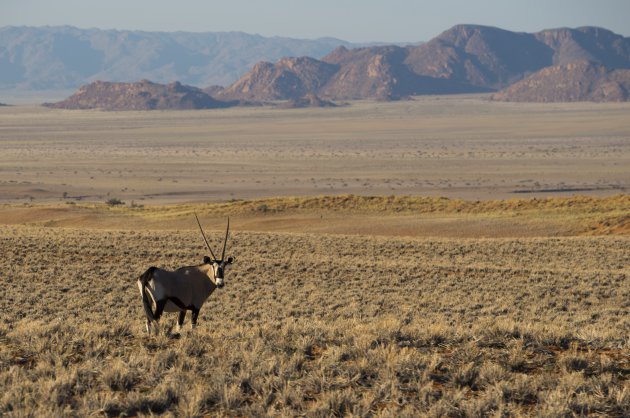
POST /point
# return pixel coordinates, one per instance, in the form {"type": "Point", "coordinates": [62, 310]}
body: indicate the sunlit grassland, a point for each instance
{"type": "Point", "coordinates": [320, 324]}
{"type": "Point", "coordinates": [352, 214]}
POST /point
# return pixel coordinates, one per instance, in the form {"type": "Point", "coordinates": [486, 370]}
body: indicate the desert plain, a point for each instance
{"type": "Point", "coordinates": [442, 256]}
{"type": "Point", "coordinates": [459, 146]}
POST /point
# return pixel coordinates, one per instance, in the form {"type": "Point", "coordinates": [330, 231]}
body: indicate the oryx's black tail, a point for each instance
{"type": "Point", "coordinates": [144, 280]}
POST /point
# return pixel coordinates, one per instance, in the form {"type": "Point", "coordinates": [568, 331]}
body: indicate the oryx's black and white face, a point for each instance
{"type": "Point", "coordinates": [217, 271]}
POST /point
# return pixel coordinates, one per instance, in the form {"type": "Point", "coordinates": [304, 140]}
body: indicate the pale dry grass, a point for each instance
{"type": "Point", "coordinates": [318, 325]}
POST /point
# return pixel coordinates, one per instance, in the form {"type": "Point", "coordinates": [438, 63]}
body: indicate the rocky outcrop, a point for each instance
{"type": "Point", "coordinates": [375, 72]}
{"type": "Point", "coordinates": [572, 82]}
{"type": "Point", "coordinates": [480, 56]}
{"type": "Point", "coordinates": [289, 78]}
{"type": "Point", "coordinates": [586, 44]}
{"type": "Point", "coordinates": [143, 95]}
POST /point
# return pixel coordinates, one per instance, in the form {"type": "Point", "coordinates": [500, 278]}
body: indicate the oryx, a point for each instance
{"type": "Point", "coordinates": [186, 288]}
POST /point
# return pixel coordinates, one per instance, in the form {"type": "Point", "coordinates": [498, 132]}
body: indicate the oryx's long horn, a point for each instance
{"type": "Point", "coordinates": [204, 238]}
{"type": "Point", "coordinates": [227, 232]}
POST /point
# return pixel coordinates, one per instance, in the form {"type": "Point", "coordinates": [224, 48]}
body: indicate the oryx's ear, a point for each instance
{"type": "Point", "coordinates": [230, 260]}
{"type": "Point", "coordinates": [207, 260]}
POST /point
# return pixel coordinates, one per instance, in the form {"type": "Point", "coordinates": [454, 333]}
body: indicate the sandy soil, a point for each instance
{"type": "Point", "coordinates": [460, 146]}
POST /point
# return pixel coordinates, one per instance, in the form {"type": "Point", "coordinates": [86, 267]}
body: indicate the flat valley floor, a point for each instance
{"type": "Point", "coordinates": [446, 256]}
{"type": "Point", "coordinates": [460, 146]}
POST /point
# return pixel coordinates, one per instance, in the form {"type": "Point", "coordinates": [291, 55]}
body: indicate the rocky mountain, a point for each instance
{"type": "Point", "coordinates": [587, 43]}
{"type": "Point", "coordinates": [142, 95]}
{"type": "Point", "coordinates": [344, 74]}
{"type": "Point", "coordinates": [381, 73]}
{"type": "Point", "coordinates": [480, 56]}
{"type": "Point", "coordinates": [576, 81]}
{"type": "Point", "coordinates": [463, 59]}
{"type": "Point", "coordinates": [38, 58]}
{"type": "Point", "coordinates": [494, 58]}
{"type": "Point", "coordinates": [366, 72]}
{"type": "Point", "coordinates": [289, 78]}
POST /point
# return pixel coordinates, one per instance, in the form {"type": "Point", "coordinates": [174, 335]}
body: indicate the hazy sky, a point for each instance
{"type": "Point", "coordinates": [352, 20]}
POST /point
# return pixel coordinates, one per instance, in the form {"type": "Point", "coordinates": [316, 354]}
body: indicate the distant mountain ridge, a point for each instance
{"type": "Point", "coordinates": [463, 59]}
{"type": "Point", "coordinates": [40, 58]}
{"type": "Point", "coordinates": [586, 63]}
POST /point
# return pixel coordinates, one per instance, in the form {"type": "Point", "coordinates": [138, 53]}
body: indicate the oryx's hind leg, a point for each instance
{"type": "Point", "coordinates": [194, 316]}
{"type": "Point", "coordinates": [180, 320]}
{"type": "Point", "coordinates": [159, 309]}
{"type": "Point", "coordinates": [152, 327]}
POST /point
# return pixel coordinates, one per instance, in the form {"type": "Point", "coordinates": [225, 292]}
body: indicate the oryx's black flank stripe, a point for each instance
{"type": "Point", "coordinates": [180, 304]}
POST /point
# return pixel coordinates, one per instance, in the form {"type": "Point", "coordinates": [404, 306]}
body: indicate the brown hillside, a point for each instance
{"type": "Point", "coordinates": [142, 95]}
{"type": "Point", "coordinates": [494, 58]}
{"type": "Point", "coordinates": [587, 43]}
{"type": "Point", "coordinates": [481, 56]}
{"type": "Point", "coordinates": [374, 72]}
{"type": "Point", "coordinates": [576, 81]}
{"type": "Point", "coordinates": [367, 73]}
{"type": "Point", "coordinates": [289, 78]}
{"type": "Point", "coordinates": [381, 73]}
